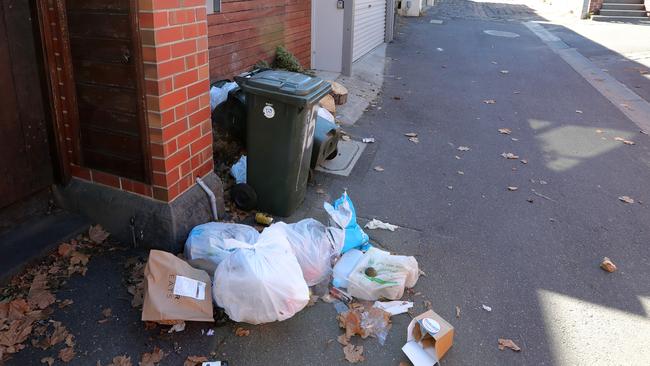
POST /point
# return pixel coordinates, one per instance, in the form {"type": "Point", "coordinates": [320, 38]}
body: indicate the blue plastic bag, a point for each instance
{"type": "Point", "coordinates": [343, 214]}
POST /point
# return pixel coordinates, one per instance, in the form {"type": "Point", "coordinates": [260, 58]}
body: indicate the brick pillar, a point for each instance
{"type": "Point", "coordinates": [174, 47]}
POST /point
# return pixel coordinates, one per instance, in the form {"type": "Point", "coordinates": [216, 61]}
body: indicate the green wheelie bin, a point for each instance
{"type": "Point", "coordinates": [281, 118]}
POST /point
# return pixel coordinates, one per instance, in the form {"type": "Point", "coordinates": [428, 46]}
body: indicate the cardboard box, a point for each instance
{"type": "Point", "coordinates": [428, 337]}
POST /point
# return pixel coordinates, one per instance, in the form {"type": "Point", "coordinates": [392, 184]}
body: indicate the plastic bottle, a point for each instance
{"type": "Point", "coordinates": [344, 267]}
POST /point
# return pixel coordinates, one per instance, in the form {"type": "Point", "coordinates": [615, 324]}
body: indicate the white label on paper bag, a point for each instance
{"type": "Point", "coordinates": [189, 287]}
{"type": "Point", "coordinates": [269, 111]}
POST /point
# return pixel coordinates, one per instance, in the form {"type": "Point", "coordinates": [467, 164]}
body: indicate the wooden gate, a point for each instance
{"type": "Point", "coordinates": [25, 162]}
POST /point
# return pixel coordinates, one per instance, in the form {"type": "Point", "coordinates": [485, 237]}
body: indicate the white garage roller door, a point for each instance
{"type": "Point", "coordinates": [369, 26]}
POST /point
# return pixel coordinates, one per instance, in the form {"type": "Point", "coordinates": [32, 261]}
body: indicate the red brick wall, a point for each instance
{"type": "Point", "coordinates": [246, 31]}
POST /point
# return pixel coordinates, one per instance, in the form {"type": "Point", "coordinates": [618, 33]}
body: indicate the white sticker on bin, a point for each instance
{"type": "Point", "coordinates": [189, 287]}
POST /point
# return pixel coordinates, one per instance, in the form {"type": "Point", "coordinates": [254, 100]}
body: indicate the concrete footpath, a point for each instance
{"type": "Point", "coordinates": [531, 253]}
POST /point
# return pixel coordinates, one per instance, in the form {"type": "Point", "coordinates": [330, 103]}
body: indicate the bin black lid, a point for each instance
{"type": "Point", "coordinates": [285, 82]}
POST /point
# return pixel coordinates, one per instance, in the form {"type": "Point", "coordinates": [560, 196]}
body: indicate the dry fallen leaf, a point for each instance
{"type": "Point", "coordinates": [508, 343]}
{"type": "Point", "coordinates": [411, 134]}
{"type": "Point", "coordinates": [320, 191]}
{"type": "Point", "coordinates": [97, 234]}
{"type": "Point", "coordinates": [460, 172]}
{"type": "Point", "coordinates": [378, 168]}
{"type": "Point", "coordinates": [504, 72]}
{"type": "Point", "coordinates": [618, 138]}
{"type": "Point", "coordinates": [67, 354]}
{"type": "Point", "coordinates": [152, 358]}
{"type": "Point", "coordinates": [628, 142]}
{"type": "Point", "coordinates": [65, 249]}
{"type": "Point", "coordinates": [39, 297]}
{"type": "Point", "coordinates": [353, 354]}
{"type": "Point", "coordinates": [504, 131]}
{"type": "Point", "coordinates": [121, 361]}
{"type": "Point", "coordinates": [578, 111]}
{"type": "Point", "coordinates": [241, 332]}
{"type": "Point", "coordinates": [414, 140]}
{"type": "Point", "coordinates": [427, 304]}
{"type": "Point", "coordinates": [345, 138]}
{"type": "Point", "coordinates": [489, 101]}
{"type": "Point", "coordinates": [626, 199]}
{"type": "Point", "coordinates": [463, 148]}
{"type": "Point", "coordinates": [524, 161]}
{"type": "Point", "coordinates": [65, 303]}
{"type": "Point", "coordinates": [107, 312]}
{"type": "Point", "coordinates": [48, 360]}
{"type": "Point", "coordinates": [510, 156]}
{"type": "Point", "coordinates": [195, 360]}
{"type": "Point", "coordinates": [512, 188]}
{"type": "Point", "coordinates": [599, 131]}
{"type": "Point", "coordinates": [457, 311]}
{"type": "Point", "coordinates": [608, 265]}
{"type": "Point", "coordinates": [343, 340]}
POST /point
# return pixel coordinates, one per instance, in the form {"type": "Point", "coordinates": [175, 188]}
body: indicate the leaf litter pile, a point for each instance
{"type": "Point", "coordinates": [27, 302]}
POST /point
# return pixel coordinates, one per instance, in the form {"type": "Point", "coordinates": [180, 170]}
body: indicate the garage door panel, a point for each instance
{"type": "Point", "coordinates": [369, 26]}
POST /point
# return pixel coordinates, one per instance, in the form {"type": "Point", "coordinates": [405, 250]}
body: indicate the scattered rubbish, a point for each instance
{"type": "Point", "coordinates": [512, 188]}
{"type": "Point", "coordinates": [435, 21]}
{"type": "Point", "coordinates": [344, 266]}
{"type": "Point", "coordinates": [219, 95]}
{"type": "Point", "coordinates": [343, 215]}
{"type": "Point", "coordinates": [263, 219]}
{"type": "Point", "coordinates": [394, 274]}
{"type": "Point", "coordinates": [414, 140]}
{"type": "Point", "coordinates": [439, 49]}
{"type": "Point", "coordinates": [411, 134]}
{"type": "Point", "coordinates": [450, 187]}
{"type": "Point", "coordinates": [175, 290]}
{"type": "Point", "coordinates": [529, 200]}
{"type": "Point", "coordinates": [460, 172]}
{"type": "Point", "coordinates": [494, 63]}
{"type": "Point", "coordinates": [457, 157]}
{"type": "Point", "coordinates": [457, 311]}
{"type": "Point", "coordinates": [508, 343]}
{"type": "Point", "coordinates": [238, 170]}
{"type": "Point", "coordinates": [428, 337]}
{"type": "Point", "coordinates": [607, 265]}
{"type": "Point", "coordinates": [178, 327]}
{"type": "Point", "coordinates": [378, 168]}
{"type": "Point", "coordinates": [368, 140]}
{"type": "Point", "coordinates": [514, 139]}
{"type": "Point", "coordinates": [340, 307]}
{"type": "Point", "coordinates": [208, 244]}
{"type": "Point", "coordinates": [313, 247]}
{"type": "Point", "coordinates": [341, 295]}
{"type": "Point", "coordinates": [463, 148]}
{"type": "Point", "coordinates": [345, 137]}
{"type": "Point", "coordinates": [210, 332]}
{"type": "Point", "coordinates": [543, 182]}
{"type": "Point", "coordinates": [261, 282]}
{"type": "Point", "coordinates": [510, 156]}
{"type": "Point", "coordinates": [524, 161]}
{"type": "Point", "coordinates": [489, 101]}
{"type": "Point", "coordinates": [516, 92]}
{"type": "Point", "coordinates": [241, 332]}
{"type": "Point", "coordinates": [626, 199]}
{"type": "Point", "coordinates": [353, 354]}
{"type": "Point", "coordinates": [394, 307]}
{"type": "Point", "coordinates": [504, 72]}
{"type": "Point", "coordinates": [599, 131]}
{"type": "Point", "coordinates": [543, 196]}
{"type": "Point", "coordinates": [377, 224]}
{"type": "Point", "coordinates": [578, 111]}
{"type": "Point", "coordinates": [427, 304]}
{"type": "Point", "coordinates": [486, 308]}
{"type": "Point", "coordinates": [504, 131]}
{"type": "Point", "coordinates": [365, 322]}
{"type": "Point", "coordinates": [628, 142]}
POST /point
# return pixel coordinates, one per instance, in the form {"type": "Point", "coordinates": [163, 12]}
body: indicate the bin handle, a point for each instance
{"type": "Point", "coordinates": [241, 78]}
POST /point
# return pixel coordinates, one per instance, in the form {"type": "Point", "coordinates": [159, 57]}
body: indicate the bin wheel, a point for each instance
{"type": "Point", "coordinates": [244, 196]}
{"type": "Point", "coordinates": [334, 154]}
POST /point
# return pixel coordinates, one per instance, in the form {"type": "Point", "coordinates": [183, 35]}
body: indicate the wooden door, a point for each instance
{"type": "Point", "coordinates": [25, 161]}
{"type": "Point", "coordinates": [107, 73]}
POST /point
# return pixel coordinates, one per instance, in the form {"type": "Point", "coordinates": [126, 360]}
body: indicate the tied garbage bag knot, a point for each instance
{"type": "Point", "coordinates": [343, 215]}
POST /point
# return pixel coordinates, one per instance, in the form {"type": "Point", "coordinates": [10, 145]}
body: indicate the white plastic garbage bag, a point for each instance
{"type": "Point", "coordinates": [324, 113]}
{"type": "Point", "coordinates": [392, 274]}
{"type": "Point", "coordinates": [314, 248]}
{"type": "Point", "coordinates": [219, 95]}
{"type": "Point", "coordinates": [261, 283]}
{"type": "Point", "coordinates": [343, 214]}
{"type": "Point", "coordinates": [208, 244]}
{"type": "Point", "coordinates": [238, 170]}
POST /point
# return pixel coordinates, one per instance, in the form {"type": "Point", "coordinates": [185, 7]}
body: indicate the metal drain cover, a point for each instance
{"type": "Point", "coordinates": [497, 33]}
{"type": "Point", "coordinates": [348, 154]}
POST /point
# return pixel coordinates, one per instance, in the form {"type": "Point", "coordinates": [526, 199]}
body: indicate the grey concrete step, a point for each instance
{"type": "Point", "coordinates": [623, 13]}
{"type": "Point", "coordinates": [609, 6]}
{"type": "Point", "coordinates": [624, 2]}
{"type": "Point", "coordinates": [608, 18]}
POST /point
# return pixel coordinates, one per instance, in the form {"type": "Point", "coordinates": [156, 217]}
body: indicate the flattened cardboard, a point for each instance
{"type": "Point", "coordinates": [424, 348]}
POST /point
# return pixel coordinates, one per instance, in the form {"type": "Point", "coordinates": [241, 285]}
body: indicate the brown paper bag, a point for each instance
{"type": "Point", "coordinates": [175, 291]}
